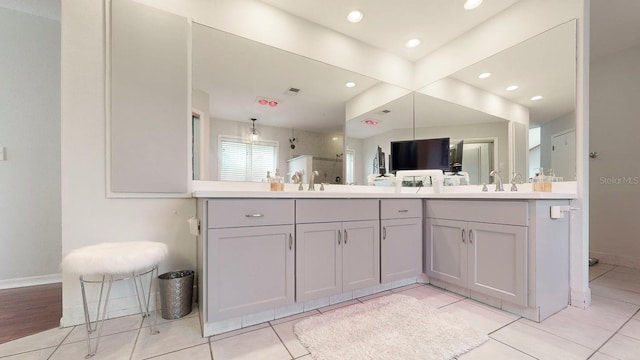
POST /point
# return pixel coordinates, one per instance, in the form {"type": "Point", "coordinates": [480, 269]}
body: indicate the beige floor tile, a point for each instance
{"type": "Point", "coordinates": [432, 296]}
{"type": "Point", "coordinates": [540, 344]}
{"type": "Point", "coordinates": [481, 317]}
{"type": "Point", "coordinates": [375, 296]}
{"type": "Point", "coordinates": [601, 356]}
{"type": "Point", "coordinates": [492, 350]}
{"type": "Point", "coordinates": [405, 288]}
{"type": "Point", "coordinates": [41, 340]}
{"type": "Point", "coordinates": [622, 347]}
{"type": "Point", "coordinates": [113, 347]}
{"type": "Point", "coordinates": [574, 329]}
{"type": "Point", "coordinates": [338, 306]}
{"type": "Point", "coordinates": [111, 326]}
{"type": "Point", "coordinates": [290, 339]}
{"type": "Point", "coordinates": [200, 352]}
{"type": "Point", "coordinates": [176, 335]}
{"type": "Point", "coordinates": [631, 329]}
{"type": "Point", "coordinates": [32, 355]}
{"type": "Point", "coordinates": [261, 344]}
{"type": "Point", "coordinates": [604, 290]}
{"type": "Point", "coordinates": [294, 317]}
{"type": "Point", "coordinates": [599, 269]}
{"type": "Point", "coordinates": [306, 357]}
{"type": "Point", "coordinates": [239, 331]}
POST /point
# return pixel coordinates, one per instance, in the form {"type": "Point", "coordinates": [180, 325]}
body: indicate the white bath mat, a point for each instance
{"type": "Point", "coordinates": [390, 327]}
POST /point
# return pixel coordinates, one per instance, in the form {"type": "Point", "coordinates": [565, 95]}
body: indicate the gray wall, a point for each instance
{"type": "Point", "coordinates": [30, 229]}
{"type": "Point", "coordinates": [615, 174]}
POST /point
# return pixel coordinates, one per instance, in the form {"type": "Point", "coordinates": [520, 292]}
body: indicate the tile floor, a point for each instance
{"type": "Point", "coordinates": [609, 329]}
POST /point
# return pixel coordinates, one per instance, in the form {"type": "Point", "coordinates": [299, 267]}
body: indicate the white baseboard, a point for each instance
{"type": "Point", "coordinates": [30, 281]}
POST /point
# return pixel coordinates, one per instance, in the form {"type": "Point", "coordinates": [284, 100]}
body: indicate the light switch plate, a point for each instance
{"type": "Point", "coordinates": [2, 152]}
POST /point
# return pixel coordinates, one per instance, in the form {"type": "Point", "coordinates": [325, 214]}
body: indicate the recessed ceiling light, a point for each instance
{"type": "Point", "coordinates": [412, 43]}
{"type": "Point", "coordinates": [350, 84]}
{"type": "Point", "coordinates": [371, 122]}
{"type": "Point", "coordinates": [484, 75]}
{"type": "Point", "coordinates": [355, 16]}
{"type": "Point", "coordinates": [472, 4]}
{"type": "Point", "coordinates": [536, 98]}
{"type": "Point", "coordinates": [512, 87]}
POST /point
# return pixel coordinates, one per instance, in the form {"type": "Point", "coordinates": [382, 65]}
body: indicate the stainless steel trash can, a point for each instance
{"type": "Point", "coordinates": [176, 291]}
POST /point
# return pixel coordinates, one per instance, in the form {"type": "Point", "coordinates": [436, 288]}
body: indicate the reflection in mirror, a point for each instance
{"type": "Point", "coordinates": [298, 104]}
{"type": "Point", "coordinates": [493, 121]}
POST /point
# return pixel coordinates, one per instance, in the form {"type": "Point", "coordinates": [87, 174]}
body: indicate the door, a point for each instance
{"type": "Point", "coordinates": [446, 250]}
{"type": "Point", "coordinates": [360, 254]}
{"type": "Point", "coordinates": [318, 260]}
{"type": "Point", "coordinates": [400, 241]}
{"type": "Point", "coordinates": [250, 269]}
{"type": "Point", "coordinates": [498, 261]}
{"type": "Point", "coordinates": [563, 155]}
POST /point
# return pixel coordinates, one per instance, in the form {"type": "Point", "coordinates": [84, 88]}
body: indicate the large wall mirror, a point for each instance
{"type": "Point", "coordinates": [298, 104]}
{"type": "Point", "coordinates": [502, 123]}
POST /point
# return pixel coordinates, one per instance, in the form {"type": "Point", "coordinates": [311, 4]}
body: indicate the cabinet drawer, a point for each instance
{"type": "Point", "coordinates": [225, 213]}
{"type": "Point", "coordinates": [328, 210]}
{"type": "Point", "coordinates": [486, 211]}
{"type": "Point", "coordinates": [400, 208]}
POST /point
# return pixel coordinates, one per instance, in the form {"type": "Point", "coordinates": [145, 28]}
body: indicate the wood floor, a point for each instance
{"type": "Point", "coordinates": [28, 310]}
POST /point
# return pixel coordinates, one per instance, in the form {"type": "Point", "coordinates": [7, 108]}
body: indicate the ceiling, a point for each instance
{"type": "Point", "coordinates": [387, 25]}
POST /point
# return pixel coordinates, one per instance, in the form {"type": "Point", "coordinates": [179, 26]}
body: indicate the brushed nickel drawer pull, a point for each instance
{"type": "Point", "coordinates": [384, 233]}
{"type": "Point", "coordinates": [470, 236]}
{"type": "Point", "coordinates": [290, 242]}
{"type": "Point", "coordinates": [463, 235]}
{"type": "Point", "coordinates": [345, 236]}
{"type": "Point", "coordinates": [339, 236]}
{"type": "Point", "coordinates": [254, 215]}
{"type": "Point", "coordinates": [403, 210]}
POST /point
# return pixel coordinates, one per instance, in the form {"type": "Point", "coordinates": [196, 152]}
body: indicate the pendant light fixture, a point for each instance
{"type": "Point", "coordinates": [254, 134]}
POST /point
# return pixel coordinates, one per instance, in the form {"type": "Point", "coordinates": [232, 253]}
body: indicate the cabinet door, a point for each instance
{"type": "Point", "coordinates": [446, 250]}
{"type": "Point", "coordinates": [318, 260]}
{"type": "Point", "coordinates": [360, 254]}
{"type": "Point", "coordinates": [250, 269]}
{"type": "Point", "coordinates": [401, 248]}
{"type": "Point", "coordinates": [498, 261]}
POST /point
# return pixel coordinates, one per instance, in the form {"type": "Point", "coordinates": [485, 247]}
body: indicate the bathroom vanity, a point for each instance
{"type": "Point", "coordinates": [265, 255]}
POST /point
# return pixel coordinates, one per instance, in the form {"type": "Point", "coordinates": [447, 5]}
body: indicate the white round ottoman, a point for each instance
{"type": "Point", "coordinates": [113, 261]}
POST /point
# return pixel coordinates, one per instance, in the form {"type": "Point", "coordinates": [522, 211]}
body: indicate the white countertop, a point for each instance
{"type": "Point", "coordinates": [221, 189]}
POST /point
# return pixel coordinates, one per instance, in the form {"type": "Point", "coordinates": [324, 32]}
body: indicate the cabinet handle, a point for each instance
{"type": "Point", "coordinates": [339, 236]}
{"type": "Point", "coordinates": [403, 210]}
{"type": "Point", "coordinates": [470, 236]}
{"type": "Point", "coordinates": [254, 215]}
{"type": "Point", "coordinates": [463, 235]}
{"type": "Point", "coordinates": [384, 233]}
{"type": "Point", "coordinates": [345, 236]}
{"type": "Point", "coordinates": [290, 242]}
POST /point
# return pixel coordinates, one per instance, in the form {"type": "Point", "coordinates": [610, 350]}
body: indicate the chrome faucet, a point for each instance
{"type": "Point", "coordinates": [517, 178]}
{"type": "Point", "coordinates": [498, 179]}
{"type": "Point", "coordinates": [314, 173]}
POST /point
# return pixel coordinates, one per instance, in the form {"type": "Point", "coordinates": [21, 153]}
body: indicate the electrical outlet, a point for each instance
{"type": "Point", "coordinates": [2, 154]}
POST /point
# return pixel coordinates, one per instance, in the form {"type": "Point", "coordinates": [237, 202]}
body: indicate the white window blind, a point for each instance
{"type": "Point", "coordinates": [241, 160]}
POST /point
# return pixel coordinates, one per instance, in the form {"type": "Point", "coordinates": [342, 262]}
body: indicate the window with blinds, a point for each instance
{"type": "Point", "coordinates": [241, 160]}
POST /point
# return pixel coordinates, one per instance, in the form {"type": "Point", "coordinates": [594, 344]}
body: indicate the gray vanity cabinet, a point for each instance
{"type": "Point", "coordinates": [481, 246]}
{"type": "Point", "coordinates": [401, 238]}
{"type": "Point", "coordinates": [250, 256]}
{"type": "Point", "coordinates": [333, 256]}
